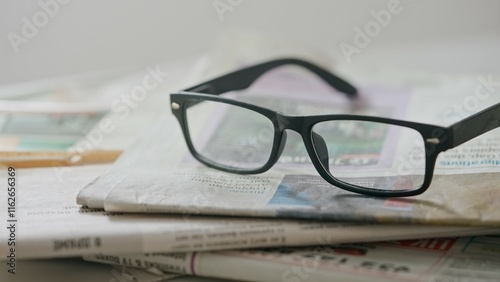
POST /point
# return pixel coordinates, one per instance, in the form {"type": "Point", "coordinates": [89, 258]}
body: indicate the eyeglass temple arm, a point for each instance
{"type": "Point", "coordinates": [476, 125]}
{"type": "Point", "coordinates": [243, 78]}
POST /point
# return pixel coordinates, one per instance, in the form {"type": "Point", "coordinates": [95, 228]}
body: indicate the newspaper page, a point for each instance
{"type": "Point", "coordinates": [46, 222]}
{"type": "Point", "coordinates": [444, 259]}
{"type": "Point", "coordinates": [169, 180]}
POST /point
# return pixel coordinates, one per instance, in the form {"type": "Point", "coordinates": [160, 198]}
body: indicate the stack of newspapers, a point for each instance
{"type": "Point", "coordinates": [156, 213]}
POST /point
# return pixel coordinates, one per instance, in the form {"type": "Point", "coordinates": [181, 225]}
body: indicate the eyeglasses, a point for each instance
{"type": "Point", "coordinates": [368, 155]}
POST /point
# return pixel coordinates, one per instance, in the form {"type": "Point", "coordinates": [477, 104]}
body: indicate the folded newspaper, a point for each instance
{"type": "Point", "coordinates": [445, 259]}
{"type": "Point", "coordinates": [158, 175]}
{"type": "Point", "coordinates": [47, 223]}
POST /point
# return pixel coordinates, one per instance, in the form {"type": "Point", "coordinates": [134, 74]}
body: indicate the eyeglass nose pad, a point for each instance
{"type": "Point", "coordinates": [321, 150]}
{"type": "Point", "coordinates": [282, 145]}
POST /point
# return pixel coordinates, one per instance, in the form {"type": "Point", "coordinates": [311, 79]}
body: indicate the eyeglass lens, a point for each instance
{"type": "Point", "coordinates": [363, 153]}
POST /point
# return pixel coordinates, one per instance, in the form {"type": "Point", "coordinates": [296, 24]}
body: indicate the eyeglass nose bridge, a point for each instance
{"type": "Point", "coordinates": [316, 146]}
{"type": "Point", "coordinates": [290, 122]}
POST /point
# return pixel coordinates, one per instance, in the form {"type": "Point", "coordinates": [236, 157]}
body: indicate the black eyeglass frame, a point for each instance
{"type": "Point", "coordinates": [436, 138]}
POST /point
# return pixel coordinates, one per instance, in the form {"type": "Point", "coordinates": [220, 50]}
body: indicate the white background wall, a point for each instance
{"type": "Point", "coordinates": [451, 35]}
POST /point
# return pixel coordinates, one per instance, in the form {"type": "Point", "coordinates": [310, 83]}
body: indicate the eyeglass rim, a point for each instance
{"type": "Point", "coordinates": [428, 132]}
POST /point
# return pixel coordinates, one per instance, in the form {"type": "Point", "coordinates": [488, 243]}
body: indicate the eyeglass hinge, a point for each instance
{"type": "Point", "coordinates": [175, 106]}
{"type": "Point", "coordinates": [433, 141]}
